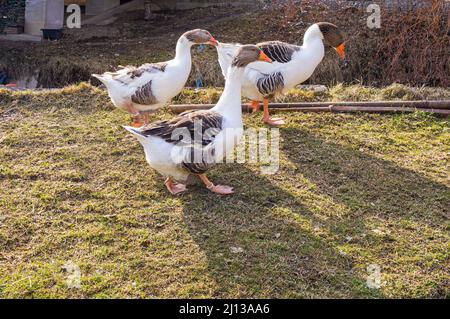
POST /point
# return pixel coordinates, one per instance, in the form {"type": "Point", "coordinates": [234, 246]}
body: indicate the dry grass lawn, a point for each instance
{"type": "Point", "coordinates": [353, 190]}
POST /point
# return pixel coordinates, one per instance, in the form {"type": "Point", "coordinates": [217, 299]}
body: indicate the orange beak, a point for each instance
{"type": "Point", "coordinates": [213, 41]}
{"type": "Point", "coordinates": [264, 57]}
{"type": "Point", "coordinates": [341, 50]}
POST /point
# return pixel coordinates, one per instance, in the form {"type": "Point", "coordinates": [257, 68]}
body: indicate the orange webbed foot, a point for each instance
{"type": "Point", "coordinates": [221, 189]}
{"type": "Point", "coordinates": [174, 187]}
{"type": "Point", "coordinates": [137, 123]}
{"type": "Point", "coordinates": [274, 121]}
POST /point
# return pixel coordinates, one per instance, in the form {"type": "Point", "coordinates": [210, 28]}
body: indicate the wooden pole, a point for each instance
{"type": "Point", "coordinates": [413, 104]}
{"type": "Point", "coordinates": [440, 107]}
{"type": "Point", "coordinates": [349, 109]}
{"type": "Point", "coordinates": [147, 10]}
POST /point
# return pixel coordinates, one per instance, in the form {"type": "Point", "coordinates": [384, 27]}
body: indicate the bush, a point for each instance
{"type": "Point", "coordinates": [411, 47]}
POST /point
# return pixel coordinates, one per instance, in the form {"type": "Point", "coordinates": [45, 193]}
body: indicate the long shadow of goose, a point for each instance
{"type": "Point", "coordinates": [258, 245]}
{"type": "Point", "coordinates": [389, 213]}
{"type": "Point", "coordinates": [366, 185]}
{"type": "Point", "coordinates": [262, 241]}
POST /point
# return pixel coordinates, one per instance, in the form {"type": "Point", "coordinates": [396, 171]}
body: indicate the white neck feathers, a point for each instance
{"type": "Point", "coordinates": [312, 34]}
{"type": "Point", "coordinates": [230, 101]}
{"type": "Point", "coordinates": [183, 49]}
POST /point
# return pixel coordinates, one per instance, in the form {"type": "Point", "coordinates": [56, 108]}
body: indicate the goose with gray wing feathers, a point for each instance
{"type": "Point", "coordinates": [292, 65]}
{"type": "Point", "coordinates": [192, 142]}
{"type": "Point", "coordinates": [142, 90]}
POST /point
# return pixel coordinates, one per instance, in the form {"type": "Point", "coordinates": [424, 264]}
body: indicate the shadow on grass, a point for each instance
{"type": "Point", "coordinates": [365, 184]}
{"type": "Point", "coordinates": [257, 246]}
{"type": "Point", "coordinates": [260, 242]}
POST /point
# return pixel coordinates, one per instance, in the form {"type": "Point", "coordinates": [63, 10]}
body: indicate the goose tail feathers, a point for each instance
{"type": "Point", "coordinates": [136, 132]}
{"type": "Point", "coordinates": [102, 78]}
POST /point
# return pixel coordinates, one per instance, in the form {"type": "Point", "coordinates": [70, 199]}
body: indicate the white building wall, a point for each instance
{"type": "Point", "coordinates": [43, 14]}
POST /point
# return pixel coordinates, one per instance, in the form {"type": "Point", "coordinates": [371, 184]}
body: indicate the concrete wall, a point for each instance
{"type": "Point", "coordinates": [94, 7]}
{"type": "Point", "coordinates": [43, 14]}
{"type": "Point", "coordinates": [79, 2]}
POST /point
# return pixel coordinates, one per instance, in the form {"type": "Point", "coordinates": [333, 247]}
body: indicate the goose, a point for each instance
{"type": "Point", "coordinates": [168, 144]}
{"type": "Point", "coordinates": [292, 65]}
{"type": "Point", "coordinates": [142, 90]}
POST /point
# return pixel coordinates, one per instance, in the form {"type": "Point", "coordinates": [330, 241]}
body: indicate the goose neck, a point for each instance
{"type": "Point", "coordinates": [230, 100]}
{"type": "Point", "coordinates": [183, 50]}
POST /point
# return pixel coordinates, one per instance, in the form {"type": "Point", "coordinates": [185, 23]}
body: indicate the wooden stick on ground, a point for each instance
{"type": "Point", "coordinates": [349, 109]}
{"type": "Point", "coordinates": [438, 107]}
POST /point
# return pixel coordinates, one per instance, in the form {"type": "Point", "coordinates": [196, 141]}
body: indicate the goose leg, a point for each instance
{"type": "Point", "coordinates": [274, 121]}
{"type": "Point", "coordinates": [135, 114]}
{"type": "Point", "coordinates": [255, 106]}
{"type": "Point", "coordinates": [174, 187]}
{"type": "Point", "coordinates": [137, 121]}
{"type": "Point", "coordinates": [146, 119]}
{"type": "Point", "coordinates": [219, 189]}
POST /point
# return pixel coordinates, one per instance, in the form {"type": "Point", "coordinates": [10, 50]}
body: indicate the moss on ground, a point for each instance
{"type": "Point", "coordinates": [353, 190]}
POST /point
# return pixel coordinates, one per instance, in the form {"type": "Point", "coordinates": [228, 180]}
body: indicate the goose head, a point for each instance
{"type": "Point", "coordinates": [200, 36]}
{"type": "Point", "coordinates": [247, 54]}
{"type": "Point", "coordinates": [330, 34]}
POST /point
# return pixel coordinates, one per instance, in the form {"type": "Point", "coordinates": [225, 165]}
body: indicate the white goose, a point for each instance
{"type": "Point", "coordinates": [292, 64]}
{"type": "Point", "coordinates": [142, 90]}
{"type": "Point", "coordinates": [190, 143]}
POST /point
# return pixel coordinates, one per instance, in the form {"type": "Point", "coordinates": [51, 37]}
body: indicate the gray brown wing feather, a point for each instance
{"type": "Point", "coordinates": [271, 84]}
{"type": "Point", "coordinates": [144, 95]}
{"type": "Point", "coordinates": [278, 51]}
{"type": "Point", "coordinates": [202, 164]}
{"type": "Point", "coordinates": [135, 72]}
{"type": "Point", "coordinates": [202, 126]}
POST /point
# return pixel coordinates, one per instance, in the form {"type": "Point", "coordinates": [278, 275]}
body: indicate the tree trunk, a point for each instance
{"type": "Point", "coordinates": [148, 11]}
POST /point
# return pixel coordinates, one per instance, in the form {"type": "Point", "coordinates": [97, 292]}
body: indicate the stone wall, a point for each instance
{"type": "Point", "coordinates": [43, 14]}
